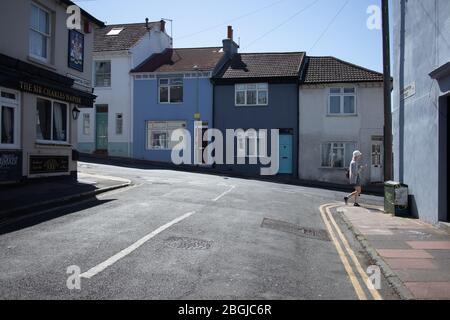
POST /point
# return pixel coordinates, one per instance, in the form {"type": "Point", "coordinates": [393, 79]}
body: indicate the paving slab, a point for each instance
{"type": "Point", "coordinates": [430, 290]}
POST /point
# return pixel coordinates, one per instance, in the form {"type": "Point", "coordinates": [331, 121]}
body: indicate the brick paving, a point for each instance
{"type": "Point", "coordinates": [418, 253]}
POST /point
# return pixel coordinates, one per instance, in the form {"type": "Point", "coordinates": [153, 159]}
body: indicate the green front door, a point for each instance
{"type": "Point", "coordinates": [101, 125]}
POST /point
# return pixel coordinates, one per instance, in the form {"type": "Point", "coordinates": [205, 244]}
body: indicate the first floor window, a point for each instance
{"type": "Point", "coordinates": [51, 121]}
{"type": "Point", "coordinates": [342, 101]}
{"type": "Point", "coordinates": [119, 123]}
{"type": "Point", "coordinates": [252, 94]}
{"type": "Point", "coordinates": [170, 90]}
{"type": "Point", "coordinates": [337, 154]}
{"type": "Point", "coordinates": [40, 33]}
{"type": "Point", "coordinates": [102, 74]}
{"type": "Point", "coordinates": [86, 124]}
{"type": "Point", "coordinates": [8, 118]}
{"type": "Point", "coordinates": [159, 134]}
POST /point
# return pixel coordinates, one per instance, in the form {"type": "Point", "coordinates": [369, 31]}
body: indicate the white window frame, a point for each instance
{"type": "Point", "coordinates": [168, 129]}
{"type": "Point", "coordinates": [168, 86]}
{"type": "Point", "coordinates": [342, 96]}
{"type": "Point", "coordinates": [95, 74]}
{"type": "Point", "coordinates": [48, 36]}
{"type": "Point", "coordinates": [68, 125]}
{"type": "Point", "coordinates": [244, 87]}
{"type": "Point", "coordinates": [86, 124]}
{"type": "Point", "coordinates": [117, 119]}
{"type": "Point", "coordinates": [15, 105]}
{"type": "Point", "coordinates": [346, 145]}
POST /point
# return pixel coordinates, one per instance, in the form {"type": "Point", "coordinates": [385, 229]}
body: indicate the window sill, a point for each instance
{"type": "Point", "coordinates": [170, 103]}
{"type": "Point", "coordinates": [41, 62]}
{"type": "Point", "coordinates": [9, 147]}
{"type": "Point", "coordinates": [250, 105]}
{"type": "Point", "coordinates": [342, 115]}
{"type": "Point", "coordinates": [329, 168]}
{"type": "Point", "coordinates": [103, 88]}
{"type": "Point", "coordinates": [52, 144]}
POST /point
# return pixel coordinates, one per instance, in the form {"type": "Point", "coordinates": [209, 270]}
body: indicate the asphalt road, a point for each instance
{"type": "Point", "coordinates": [178, 235]}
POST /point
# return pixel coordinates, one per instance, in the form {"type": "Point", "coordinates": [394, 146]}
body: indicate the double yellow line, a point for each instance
{"type": "Point", "coordinates": [325, 211]}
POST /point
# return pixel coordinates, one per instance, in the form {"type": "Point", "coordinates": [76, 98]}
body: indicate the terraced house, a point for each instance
{"type": "Point", "coordinates": [173, 90]}
{"type": "Point", "coordinates": [108, 128]}
{"type": "Point", "coordinates": [341, 110]}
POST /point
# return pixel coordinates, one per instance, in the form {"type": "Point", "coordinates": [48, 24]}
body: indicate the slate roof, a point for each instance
{"type": "Point", "coordinates": [180, 60]}
{"type": "Point", "coordinates": [263, 65]}
{"type": "Point", "coordinates": [125, 40]}
{"type": "Point", "coordinates": [332, 70]}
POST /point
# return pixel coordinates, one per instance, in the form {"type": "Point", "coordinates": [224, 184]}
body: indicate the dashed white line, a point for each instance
{"type": "Point", "coordinates": [224, 194]}
{"type": "Point", "coordinates": [102, 266]}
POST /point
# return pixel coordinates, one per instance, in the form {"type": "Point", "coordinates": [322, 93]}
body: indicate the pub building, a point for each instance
{"type": "Point", "coordinates": [45, 79]}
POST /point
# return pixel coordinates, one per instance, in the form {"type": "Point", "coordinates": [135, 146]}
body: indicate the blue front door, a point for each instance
{"type": "Point", "coordinates": [286, 154]}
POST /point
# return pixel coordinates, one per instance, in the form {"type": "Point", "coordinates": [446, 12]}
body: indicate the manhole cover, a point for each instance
{"type": "Point", "coordinates": [188, 243]}
{"type": "Point", "coordinates": [287, 227]}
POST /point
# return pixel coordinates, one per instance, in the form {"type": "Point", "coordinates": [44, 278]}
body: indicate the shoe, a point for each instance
{"type": "Point", "coordinates": [346, 200]}
{"type": "Point", "coordinates": [356, 205]}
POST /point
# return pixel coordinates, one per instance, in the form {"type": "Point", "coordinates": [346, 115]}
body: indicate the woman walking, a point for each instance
{"type": "Point", "coordinates": [355, 171]}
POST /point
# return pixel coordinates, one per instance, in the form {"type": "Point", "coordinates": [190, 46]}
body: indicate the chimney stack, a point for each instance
{"type": "Point", "coordinates": [230, 33]}
{"type": "Point", "coordinates": [163, 26]}
{"type": "Point", "coordinates": [146, 24]}
{"type": "Point", "coordinates": [229, 46]}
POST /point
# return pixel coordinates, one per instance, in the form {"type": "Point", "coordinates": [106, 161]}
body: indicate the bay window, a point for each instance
{"type": "Point", "coordinates": [342, 101]}
{"type": "Point", "coordinates": [40, 33]}
{"type": "Point", "coordinates": [170, 90]}
{"type": "Point", "coordinates": [252, 94]}
{"type": "Point", "coordinates": [51, 121]}
{"type": "Point", "coordinates": [337, 154]}
{"type": "Point", "coordinates": [9, 119]}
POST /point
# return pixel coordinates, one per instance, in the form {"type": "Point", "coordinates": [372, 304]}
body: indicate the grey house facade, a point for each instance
{"type": "Point", "coordinates": [421, 102]}
{"type": "Point", "coordinates": [260, 91]}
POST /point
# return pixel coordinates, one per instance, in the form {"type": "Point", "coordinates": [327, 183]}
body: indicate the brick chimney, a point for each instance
{"type": "Point", "coordinates": [229, 46]}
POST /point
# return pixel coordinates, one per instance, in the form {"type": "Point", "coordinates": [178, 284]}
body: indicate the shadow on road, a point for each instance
{"type": "Point", "coordinates": [33, 219]}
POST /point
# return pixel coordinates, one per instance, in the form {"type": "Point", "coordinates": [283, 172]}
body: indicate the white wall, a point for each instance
{"type": "Point", "coordinates": [316, 127]}
{"type": "Point", "coordinates": [119, 97]}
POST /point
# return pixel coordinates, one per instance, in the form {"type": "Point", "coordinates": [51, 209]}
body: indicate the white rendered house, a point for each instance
{"type": "Point", "coordinates": [341, 110]}
{"type": "Point", "coordinates": [108, 128]}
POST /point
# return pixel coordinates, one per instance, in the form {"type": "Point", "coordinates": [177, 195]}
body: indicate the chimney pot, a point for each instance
{"type": "Point", "coordinates": [230, 33]}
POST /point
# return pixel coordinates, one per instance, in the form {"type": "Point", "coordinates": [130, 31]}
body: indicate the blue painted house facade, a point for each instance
{"type": "Point", "coordinates": [173, 90]}
{"type": "Point", "coordinates": [260, 91]}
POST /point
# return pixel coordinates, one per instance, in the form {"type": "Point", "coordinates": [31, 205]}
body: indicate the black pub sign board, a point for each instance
{"type": "Point", "coordinates": [49, 164]}
{"type": "Point", "coordinates": [10, 165]}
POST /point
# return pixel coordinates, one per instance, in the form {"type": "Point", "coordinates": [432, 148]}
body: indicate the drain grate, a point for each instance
{"type": "Point", "coordinates": [188, 243]}
{"type": "Point", "coordinates": [287, 227]}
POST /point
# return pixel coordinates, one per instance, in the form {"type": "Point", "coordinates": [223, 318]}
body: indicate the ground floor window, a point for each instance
{"type": "Point", "coordinates": [337, 154]}
{"type": "Point", "coordinates": [159, 134]}
{"type": "Point", "coordinates": [251, 144]}
{"type": "Point", "coordinates": [9, 118]}
{"type": "Point", "coordinates": [51, 121]}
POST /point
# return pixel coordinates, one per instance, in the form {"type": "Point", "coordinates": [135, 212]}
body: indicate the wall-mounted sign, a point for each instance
{"type": "Point", "coordinates": [10, 165]}
{"type": "Point", "coordinates": [49, 92]}
{"type": "Point", "coordinates": [49, 164]}
{"type": "Point", "coordinates": [408, 91]}
{"type": "Point", "coordinates": [76, 50]}
{"type": "Point", "coordinates": [85, 84]}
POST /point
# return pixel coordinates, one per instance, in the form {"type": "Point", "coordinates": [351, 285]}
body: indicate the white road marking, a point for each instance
{"type": "Point", "coordinates": [224, 194]}
{"type": "Point", "coordinates": [102, 266]}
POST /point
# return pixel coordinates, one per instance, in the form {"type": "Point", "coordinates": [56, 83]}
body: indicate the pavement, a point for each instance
{"type": "Point", "coordinates": [183, 235]}
{"type": "Point", "coordinates": [20, 199]}
{"type": "Point", "coordinates": [415, 256]}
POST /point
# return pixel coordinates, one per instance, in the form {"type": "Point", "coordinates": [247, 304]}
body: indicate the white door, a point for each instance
{"type": "Point", "coordinates": [376, 171]}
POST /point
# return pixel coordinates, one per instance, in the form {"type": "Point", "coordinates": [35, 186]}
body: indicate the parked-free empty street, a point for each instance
{"type": "Point", "coordinates": [181, 235]}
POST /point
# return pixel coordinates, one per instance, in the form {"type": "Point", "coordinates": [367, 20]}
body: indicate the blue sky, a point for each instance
{"type": "Point", "coordinates": [347, 37]}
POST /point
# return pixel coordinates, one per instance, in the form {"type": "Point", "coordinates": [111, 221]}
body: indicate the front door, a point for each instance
{"type": "Point", "coordinates": [101, 128]}
{"type": "Point", "coordinates": [286, 154]}
{"type": "Point", "coordinates": [376, 170]}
